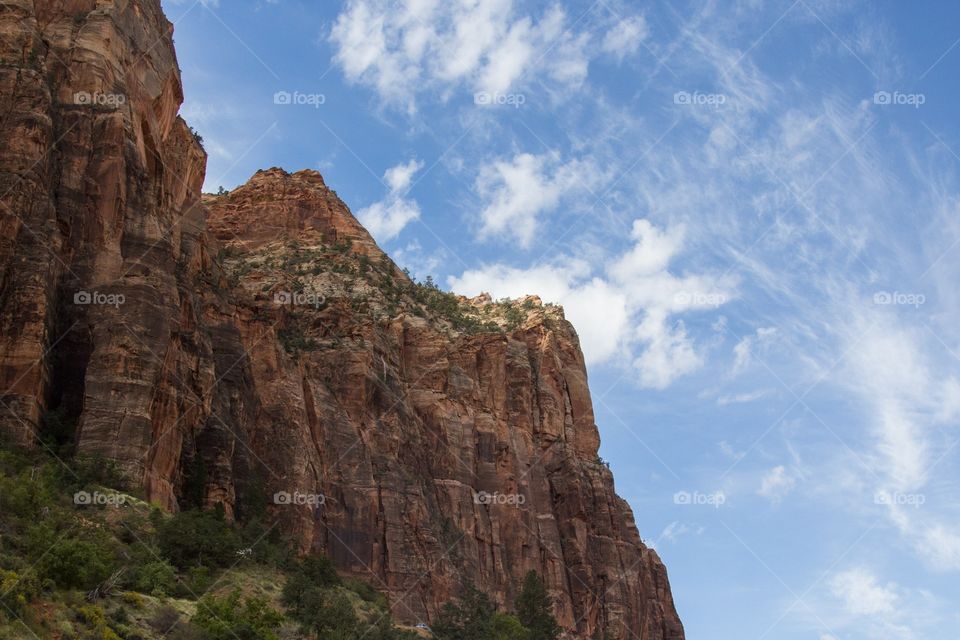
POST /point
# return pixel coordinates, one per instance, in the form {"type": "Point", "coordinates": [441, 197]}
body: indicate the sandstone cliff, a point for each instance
{"type": "Point", "coordinates": [257, 345]}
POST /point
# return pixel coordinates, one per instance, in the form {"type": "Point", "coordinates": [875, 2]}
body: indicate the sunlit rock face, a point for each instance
{"type": "Point", "coordinates": [257, 348]}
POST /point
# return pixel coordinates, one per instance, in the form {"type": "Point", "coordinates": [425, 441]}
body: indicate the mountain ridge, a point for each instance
{"type": "Point", "coordinates": [227, 349]}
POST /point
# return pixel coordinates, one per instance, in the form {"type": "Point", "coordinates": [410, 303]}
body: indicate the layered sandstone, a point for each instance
{"type": "Point", "coordinates": [228, 349]}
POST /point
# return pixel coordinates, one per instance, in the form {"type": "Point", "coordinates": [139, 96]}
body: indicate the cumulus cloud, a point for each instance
{"type": "Point", "coordinates": [597, 309]}
{"type": "Point", "coordinates": [387, 218]}
{"type": "Point", "coordinates": [517, 191]}
{"type": "Point", "coordinates": [627, 313]}
{"type": "Point", "coordinates": [400, 48]}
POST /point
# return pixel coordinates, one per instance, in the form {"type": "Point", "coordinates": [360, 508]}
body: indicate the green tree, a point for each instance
{"type": "Point", "coordinates": [311, 597]}
{"type": "Point", "coordinates": [335, 619]}
{"type": "Point", "coordinates": [535, 610]}
{"type": "Point", "coordinates": [469, 619]}
{"type": "Point", "coordinates": [303, 590]}
{"type": "Point", "coordinates": [71, 563]}
{"type": "Point", "coordinates": [156, 577]}
{"type": "Point", "coordinates": [508, 627]}
{"type": "Point", "coordinates": [198, 538]}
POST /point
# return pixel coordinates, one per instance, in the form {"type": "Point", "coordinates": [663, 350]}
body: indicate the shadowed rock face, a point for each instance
{"type": "Point", "coordinates": [223, 349]}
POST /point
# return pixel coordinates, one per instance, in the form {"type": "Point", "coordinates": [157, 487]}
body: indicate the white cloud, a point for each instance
{"type": "Point", "coordinates": [742, 398]}
{"type": "Point", "coordinates": [657, 294]}
{"type": "Point", "coordinates": [398, 178]}
{"type": "Point", "coordinates": [743, 351]}
{"type": "Point", "coordinates": [776, 484]}
{"type": "Point", "coordinates": [421, 263]}
{"type": "Point", "coordinates": [651, 254]}
{"type": "Point", "coordinates": [742, 355]}
{"type": "Point", "coordinates": [940, 547]}
{"type": "Point", "coordinates": [669, 352]}
{"type": "Point", "coordinates": [387, 218]}
{"type": "Point", "coordinates": [858, 602]}
{"type": "Point", "coordinates": [862, 595]}
{"type": "Point", "coordinates": [727, 449]}
{"type": "Point", "coordinates": [674, 531]}
{"type": "Point", "coordinates": [625, 314]}
{"type": "Point", "coordinates": [516, 192]}
{"type": "Point", "coordinates": [893, 370]}
{"type": "Point", "coordinates": [625, 38]}
{"type": "Point", "coordinates": [597, 310]}
{"type": "Point", "coordinates": [399, 49]}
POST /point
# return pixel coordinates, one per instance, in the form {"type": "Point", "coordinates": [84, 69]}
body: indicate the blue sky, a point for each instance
{"type": "Point", "coordinates": [749, 211]}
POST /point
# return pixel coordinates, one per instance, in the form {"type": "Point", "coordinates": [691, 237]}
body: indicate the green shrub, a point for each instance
{"type": "Point", "coordinates": [133, 599]}
{"type": "Point", "coordinates": [331, 616]}
{"type": "Point", "coordinates": [304, 590]}
{"type": "Point", "coordinates": [194, 583]}
{"type": "Point", "coordinates": [508, 627]}
{"type": "Point", "coordinates": [24, 499]}
{"type": "Point", "coordinates": [515, 317]}
{"type": "Point", "coordinates": [198, 538]}
{"type": "Point", "coordinates": [16, 590]}
{"type": "Point", "coordinates": [156, 578]}
{"type": "Point", "coordinates": [366, 591]}
{"type": "Point", "coordinates": [77, 560]}
{"type": "Point", "coordinates": [85, 471]}
{"type": "Point", "coordinates": [97, 626]}
{"type": "Point", "coordinates": [57, 429]}
{"type": "Point", "coordinates": [169, 624]}
{"type": "Point", "coordinates": [294, 341]}
{"type": "Point", "coordinates": [231, 617]}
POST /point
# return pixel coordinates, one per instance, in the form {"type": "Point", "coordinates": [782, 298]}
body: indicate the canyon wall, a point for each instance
{"type": "Point", "coordinates": [258, 348]}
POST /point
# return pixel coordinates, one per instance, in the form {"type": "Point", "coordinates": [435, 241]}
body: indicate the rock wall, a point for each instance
{"type": "Point", "coordinates": [279, 356]}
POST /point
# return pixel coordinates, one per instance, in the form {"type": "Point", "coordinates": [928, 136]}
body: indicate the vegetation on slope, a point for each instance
{"type": "Point", "coordinates": [83, 558]}
{"type": "Point", "coordinates": [324, 274]}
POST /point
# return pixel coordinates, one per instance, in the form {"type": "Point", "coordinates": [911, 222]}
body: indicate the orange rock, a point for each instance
{"type": "Point", "coordinates": [258, 346]}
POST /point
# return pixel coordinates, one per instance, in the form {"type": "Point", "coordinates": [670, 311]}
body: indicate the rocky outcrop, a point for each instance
{"type": "Point", "coordinates": [257, 348]}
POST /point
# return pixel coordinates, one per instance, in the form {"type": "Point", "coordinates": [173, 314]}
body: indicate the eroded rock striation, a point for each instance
{"type": "Point", "coordinates": [258, 347]}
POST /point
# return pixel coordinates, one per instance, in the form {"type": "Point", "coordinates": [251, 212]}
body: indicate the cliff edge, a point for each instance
{"type": "Point", "coordinates": [258, 346]}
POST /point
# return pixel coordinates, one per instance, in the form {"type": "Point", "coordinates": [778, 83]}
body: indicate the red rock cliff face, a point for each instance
{"type": "Point", "coordinates": [423, 440]}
